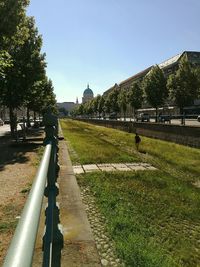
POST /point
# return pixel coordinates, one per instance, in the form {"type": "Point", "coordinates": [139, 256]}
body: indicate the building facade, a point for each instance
{"type": "Point", "coordinates": [169, 66]}
{"type": "Point", "coordinates": [67, 106]}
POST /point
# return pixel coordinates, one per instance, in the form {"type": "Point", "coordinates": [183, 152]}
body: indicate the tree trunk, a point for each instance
{"type": "Point", "coordinates": [134, 114]}
{"type": "Point", "coordinates": [124, 115]}
{"type": "Point", "coordinates": [28, 117]}
{"type": "Point", "coordinates": [13, 122]}
{"type": "Point", "coordinates": [34, 116]}
{"type": "Point", "coordinates": [182, 116]}
{"type": "Point", "coordinates": [156, 114]}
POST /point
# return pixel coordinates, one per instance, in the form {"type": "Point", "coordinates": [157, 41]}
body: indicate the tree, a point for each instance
{"type": "Point", "coordinates": [96, 101]}
{"type": "Point", "coordinates": [80, 110]}
{"type": "Point", "coordinates": [48, 99]}
{"type": "Point", "coordinates": [23, 79]}
{"type": "Point", "coordinates": [113, 100]}
{"type": "Point", "coordinates": [5, 63]}
{"type": "Point", "coordinates": [155, 89]}
{"type": "Point", "coordinates": [183, 85]}
{"type": "Point", "coordinates": [101, 106]}
{"type": "Point", "coordinates": [107, 105]}
{"type": "Point", "coordinates": [27, 67]}
{"type": "Point", "coordinates": [34, 67]}
{"type": "Point", "coordinates": [88, 108]}
{"type": "Point", "coordinates": [135, 96]}
{"type": "Point", "coordinates": [122, 102]}
{"type": "Point", "coordinates": [63, 111]}
{"type": "Point", "coordinates": [94, 105]}
{"type": "Point", "coordinates": [12, 14]}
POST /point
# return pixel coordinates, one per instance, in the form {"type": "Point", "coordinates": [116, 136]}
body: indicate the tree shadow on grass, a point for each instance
{"type": "Point", "coordinates": [12, 152]}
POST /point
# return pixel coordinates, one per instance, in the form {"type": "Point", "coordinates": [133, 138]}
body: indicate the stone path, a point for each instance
{"type": "Point", "coordinates": [78, 169]}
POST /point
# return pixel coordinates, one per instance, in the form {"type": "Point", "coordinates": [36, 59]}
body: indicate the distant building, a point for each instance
{"type": "Point", "coordinates": [68, 106]}
{"type": "Point", "coordinates": [87, 95]}
{"type": "Point", "coordinates": [169, 66]}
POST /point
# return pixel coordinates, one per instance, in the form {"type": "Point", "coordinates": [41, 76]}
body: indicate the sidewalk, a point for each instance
{"type": "Point", "coordinates": [79, 245]}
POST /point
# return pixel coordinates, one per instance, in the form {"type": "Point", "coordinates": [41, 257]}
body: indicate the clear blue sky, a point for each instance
{"type": "Point", "coordinates": [102, 42]}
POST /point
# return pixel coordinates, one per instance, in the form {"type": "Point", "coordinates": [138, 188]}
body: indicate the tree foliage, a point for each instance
{"type": "Point", "coordinates": [135, 96]}
{"type": "Point", "coordinates": [155, 89]}
{"type": "Point", "coordinates": [112, 98]}
{"type": "Point", "coordinates": [122, 101]}
{"type": "Point", "coordinates": [12, 14]}
{"type": "Point", "coordinates": [23, 80]}
{"type": "Point", "coordinates": [184, 84]}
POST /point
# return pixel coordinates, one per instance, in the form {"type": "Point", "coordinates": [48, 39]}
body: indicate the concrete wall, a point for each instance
{"type": "Point", "coordinates": [186, 135]}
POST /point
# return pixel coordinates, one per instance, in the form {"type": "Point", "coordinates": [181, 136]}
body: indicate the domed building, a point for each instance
{"type": "Point", "coordinates": [87, 95]}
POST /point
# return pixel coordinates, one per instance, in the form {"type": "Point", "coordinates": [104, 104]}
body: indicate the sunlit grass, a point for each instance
{"type": "Point", "coordinates": [94, 145]}
{"type": "Point", "coordinates": [153, 216]}
{"type": "Point", "coordinates": [181, 157]}
{"type": "Point", "coordinates": [99, 144]}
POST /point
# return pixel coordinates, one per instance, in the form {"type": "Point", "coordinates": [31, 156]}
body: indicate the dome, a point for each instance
{"type": "Point", "coordinates": [88, 91]}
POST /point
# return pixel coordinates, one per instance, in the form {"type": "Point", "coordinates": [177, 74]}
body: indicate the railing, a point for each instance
{"type": "Point", "coordinates": [21, 250]}
{"type": "Point", "coordinates": [22, 246]}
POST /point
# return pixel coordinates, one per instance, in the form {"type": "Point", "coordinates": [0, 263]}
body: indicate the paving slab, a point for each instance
{"type": "Point", "coordinates": [104, 164]}
{"type": "Point", "coordinates": [107, 168]}
{"type": "Point", "coordinates": [151, 168]}
{"type": "Point", "coordinates": [132, 164]}
{"type": "Point", "coordinates": [78, 169]}
{"type": "Point", "coordinates": [138, 168]}
{"type": "Point", "coordinates": [145, 164]}
{"type": "Point", "coordinates": [123, 169]}
{"type": "Point", "coordinates": [119, 165]}
{"type": "Point", "coordinates": [90, 167]}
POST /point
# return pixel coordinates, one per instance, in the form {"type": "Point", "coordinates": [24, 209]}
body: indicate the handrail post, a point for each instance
{"type": "Point", "coordinates": [53, 239]}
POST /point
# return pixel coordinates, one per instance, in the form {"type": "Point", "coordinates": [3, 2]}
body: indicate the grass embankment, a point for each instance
{"type": "Point", "coordinates": [153, 216]}
{"type": "Point", "coordinates": [91, 144]}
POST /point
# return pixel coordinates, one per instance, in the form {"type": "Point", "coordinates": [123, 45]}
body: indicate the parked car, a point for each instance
{"type": "Point", "coordinates": [164, 118]}
{"type": "Point", "coordinates": [143, 117]}
{"type": "Point", "coordinates": [7, 121]}
{"type": "Point", "coordinates": [198, 118]}
{"type": "Point", "coordinates": [1, 122]}
{"type": "Point", "coordinates": [113, 116]}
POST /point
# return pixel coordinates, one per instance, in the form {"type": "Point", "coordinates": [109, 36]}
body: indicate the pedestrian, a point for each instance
{"type": "Point", "coordinates": [137, 141]}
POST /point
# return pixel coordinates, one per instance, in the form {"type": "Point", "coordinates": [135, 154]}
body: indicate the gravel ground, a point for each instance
{"type": "Point", "coordinates": [18, 166]}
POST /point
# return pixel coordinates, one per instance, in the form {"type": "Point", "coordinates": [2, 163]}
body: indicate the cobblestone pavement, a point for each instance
{"type": "Point", "coordinates": [78, 169]}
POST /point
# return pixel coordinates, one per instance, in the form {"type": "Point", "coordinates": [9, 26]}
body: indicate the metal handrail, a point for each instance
{"type": "Point", "coordinates": [21, 249]}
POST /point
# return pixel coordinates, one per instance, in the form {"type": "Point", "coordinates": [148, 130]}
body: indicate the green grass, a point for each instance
{"type": "Point", "coordinates": [153, 216]}
{"type": "Point", "coordinates": [92, 145]}
{"type": "Point", "coordinates": [8, 226]}
{"type": "Point", "coordinates": [95, 144]}
{"type": "Point", "coordinates": [182, 158]}
{"type": "Point", "coordinates": [8, 220]}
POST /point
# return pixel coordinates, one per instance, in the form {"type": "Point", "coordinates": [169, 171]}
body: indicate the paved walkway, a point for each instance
{"type": "Point", "coordinates": [78, 169]}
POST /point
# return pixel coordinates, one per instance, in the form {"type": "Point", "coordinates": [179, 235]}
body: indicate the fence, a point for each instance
{"type": "Point", "coordinates": [21, 250]}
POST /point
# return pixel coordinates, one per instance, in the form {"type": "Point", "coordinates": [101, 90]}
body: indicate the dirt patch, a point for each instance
{"type": "Point", "coordinates": [18, 166]}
